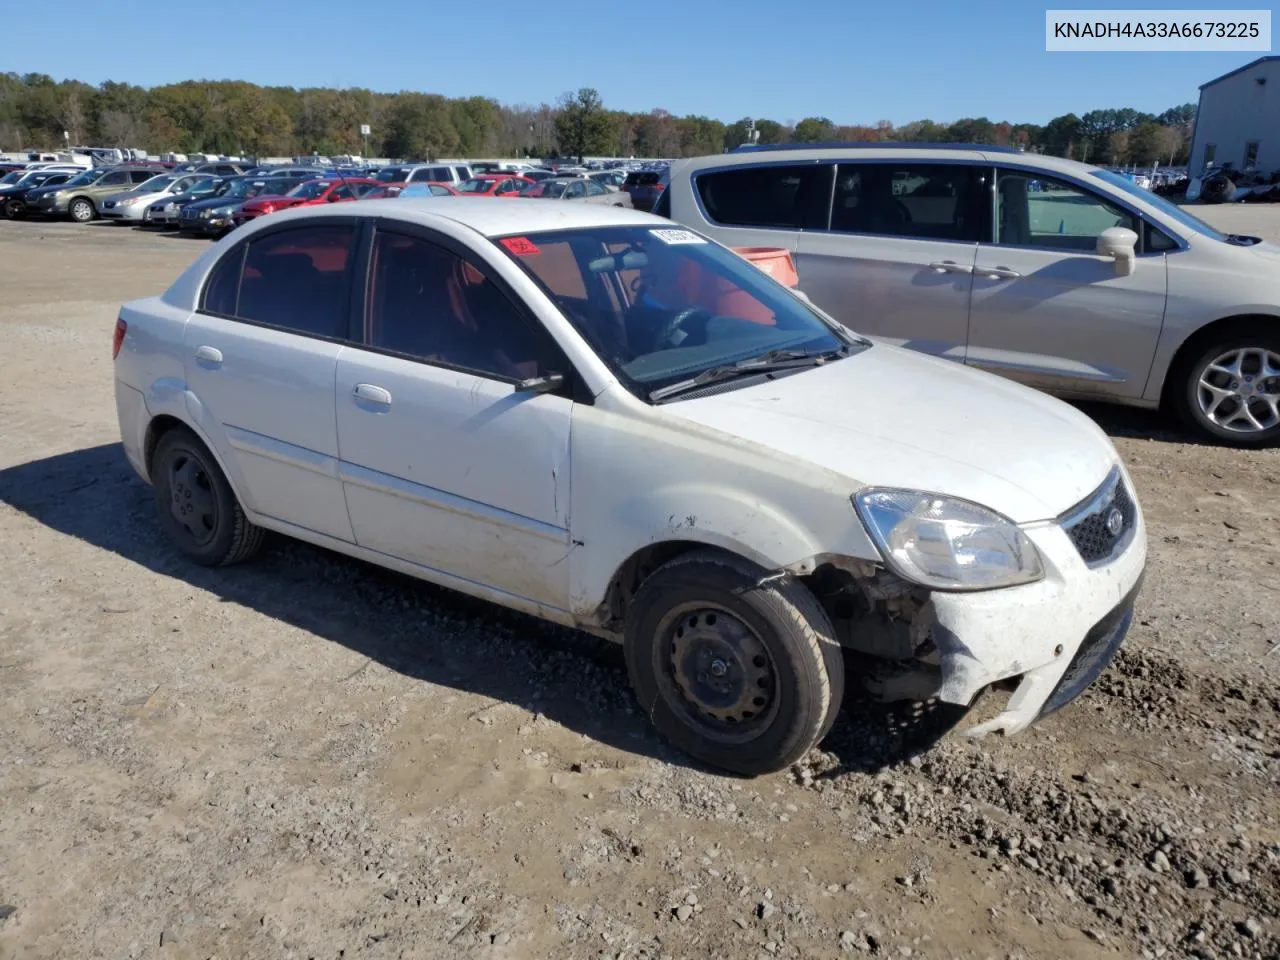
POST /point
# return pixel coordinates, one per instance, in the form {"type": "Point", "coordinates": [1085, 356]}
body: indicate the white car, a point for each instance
{"type": "Point", "coordinates": [586, 414]}
{"type": "Point", "coordinates": [134, 206]}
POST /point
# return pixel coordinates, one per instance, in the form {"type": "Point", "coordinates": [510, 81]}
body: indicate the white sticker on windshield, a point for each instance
{"type": "Point", "coordinates": [676, 236]}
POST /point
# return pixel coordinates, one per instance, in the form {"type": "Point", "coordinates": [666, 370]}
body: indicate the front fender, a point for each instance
{"type": "Point", "coordinates": [716, 515]}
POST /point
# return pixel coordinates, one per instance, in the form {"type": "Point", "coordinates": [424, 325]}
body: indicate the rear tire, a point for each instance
{"type": "Point", "coordinates": [1229, 391]}
{"type": "Point", "coordinates": [741, 675]}
{"type": "Point", "coordinates": [197, 508]}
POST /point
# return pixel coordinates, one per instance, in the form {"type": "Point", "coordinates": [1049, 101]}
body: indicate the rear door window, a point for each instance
{"type": "Point", "coordinates": [297, 280]}
{"type": "Point", "coordinates": [924, 201]}
{"type": "Point", "coordinates": [781, 196]}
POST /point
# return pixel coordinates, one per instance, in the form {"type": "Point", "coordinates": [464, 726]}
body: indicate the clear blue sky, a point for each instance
{"type": "Point", "coordinates": [855, 61]}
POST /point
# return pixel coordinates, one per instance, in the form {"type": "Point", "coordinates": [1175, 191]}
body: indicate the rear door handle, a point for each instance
{"type": "Point", "coordinates": [949, 266]}
{"type": "Point", "coordinates": [372, 394]}
{"type": "Point", "coordinates": [1000, 273]}
{"type": "Point", "coordinates": [211, 355]}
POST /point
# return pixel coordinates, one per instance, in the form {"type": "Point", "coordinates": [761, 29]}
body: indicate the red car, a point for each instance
{"type": "Point", "coordinates": [309, 193]}
{"type": "Point", "coordinates": [495, 185]}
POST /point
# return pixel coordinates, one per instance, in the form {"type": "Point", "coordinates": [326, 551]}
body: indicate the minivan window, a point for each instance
{"type": "Point", "coordinates": [1033, 210]}
{"type": "Point", "coordinates": [922, 201]}
{"type": "Point", "coordinates": [1166, 207]}
{"type": "Point", "coordinates": [296, 280]}
{"type": "Point", "coordinates": [783, 196]}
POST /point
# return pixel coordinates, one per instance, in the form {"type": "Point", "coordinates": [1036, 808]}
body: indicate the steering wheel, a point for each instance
{"type": "Point", "coordinates": [674, 325]}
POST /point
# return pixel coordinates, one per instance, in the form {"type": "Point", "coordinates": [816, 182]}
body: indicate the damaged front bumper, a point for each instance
{"type": "Point", "coordinates": [1049, 639]}
{"type": "Point", "coordinates": [1055, 636]}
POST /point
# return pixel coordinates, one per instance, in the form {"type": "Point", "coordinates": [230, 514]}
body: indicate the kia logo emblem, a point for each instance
{"type": "Point", "coordinates": [1115, 522]}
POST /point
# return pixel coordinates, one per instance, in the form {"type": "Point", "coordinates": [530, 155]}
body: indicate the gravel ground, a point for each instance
{"type": "Point", "coordinates": [309, 757]}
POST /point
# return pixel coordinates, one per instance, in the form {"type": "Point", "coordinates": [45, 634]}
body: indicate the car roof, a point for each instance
{"type": "Point", "coordinates": [906, 152]}
{"type": "Point", "coordinates": [488, 219]}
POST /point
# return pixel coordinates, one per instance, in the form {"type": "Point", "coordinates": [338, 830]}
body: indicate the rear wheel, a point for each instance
{"type": "Point", "coordinates": [743, 675]}
{"type": "Point", "coordinates": [1230, 390]}
{"type": "Point", "coordinates": [82, 210]}
{"type": "Point", "coordinates": [197, 507]}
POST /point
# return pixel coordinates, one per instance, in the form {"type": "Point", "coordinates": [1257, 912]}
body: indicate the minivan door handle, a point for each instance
{"type": "Point", "coordinates": [209, 355]}
{"type": "Point", "coordinates": [949, 266]}
{"type": "Point", "coordinates": [372, 394]}
{"type": "Point", "coordinates": [1000, 273]}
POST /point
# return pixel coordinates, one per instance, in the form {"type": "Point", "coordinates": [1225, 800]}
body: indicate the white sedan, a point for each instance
{"type": "Point", "coordinates": [585, 414]}
{"type": "Point", "coordinates": [134, 206]}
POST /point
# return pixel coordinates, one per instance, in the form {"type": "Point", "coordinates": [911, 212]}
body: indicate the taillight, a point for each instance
{"type": "Point", "coordinates": [118, 340]}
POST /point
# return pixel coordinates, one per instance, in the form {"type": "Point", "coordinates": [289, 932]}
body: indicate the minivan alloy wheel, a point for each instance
{"type": "Point", "coordinates": [1239, 390]}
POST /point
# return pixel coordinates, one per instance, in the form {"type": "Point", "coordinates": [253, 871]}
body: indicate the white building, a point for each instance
{"type": "Point", "coordinates": [1238, 120]}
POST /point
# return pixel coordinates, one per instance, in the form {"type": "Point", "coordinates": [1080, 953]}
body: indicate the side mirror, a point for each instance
{"type": "Point", "coordinates": [1119, 243]}
{"type": "Point", "coordinates": [334, 198]}
{"type": "Point", "coordinates": [552, 381]}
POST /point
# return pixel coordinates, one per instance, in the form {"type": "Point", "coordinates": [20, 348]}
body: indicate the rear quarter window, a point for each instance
{"type": "Point", "coordinates": [784, 196]}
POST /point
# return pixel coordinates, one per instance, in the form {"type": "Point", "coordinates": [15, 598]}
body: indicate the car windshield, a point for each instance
{"type": "Point", "coordinates": [661, 305]}
{"type": "Point", "coordinates": [187, 184]}
{"type": "Point", "coordinates": [86, 178]}
{"type": "Point", "coordinates": [1166, 207]}
{"type": "Point", "coordinates": [13, 176]}
{"type": "Point", "coordinates": [476, 186]}
{"type": "Point", "coordinates": [390, 174]}
{"type": "Point", "coordinates": [554, 188]}
{"type": "Point", "coordinates": [154, 185]}
{"type": "Point", "coordinates": [270, 188]}
{"type": "Point", "coordinates": [310, 189]}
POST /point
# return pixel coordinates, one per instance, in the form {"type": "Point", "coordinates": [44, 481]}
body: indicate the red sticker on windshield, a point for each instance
{"type": "Point", "coordinates": [520, 246]}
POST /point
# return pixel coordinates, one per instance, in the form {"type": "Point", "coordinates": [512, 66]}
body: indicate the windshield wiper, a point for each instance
{"type": "Point", "coordinates": [765, 363]}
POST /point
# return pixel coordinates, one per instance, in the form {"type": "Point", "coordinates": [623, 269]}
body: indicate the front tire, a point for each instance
{"type": "Point", "coordinates": [197, 508]}
{"type": "Point", "coordinates": [1230, 390]}
{"type": "Point", "coordinates": [82, 210]}
{"type": "Point", "coordinates": [742, 675]}
{"type": "Point", "coordinates": [15, 210]}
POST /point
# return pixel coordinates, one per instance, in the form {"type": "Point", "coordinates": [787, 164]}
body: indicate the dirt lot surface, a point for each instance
{"type": "Point", "coordinates": [308, 757]}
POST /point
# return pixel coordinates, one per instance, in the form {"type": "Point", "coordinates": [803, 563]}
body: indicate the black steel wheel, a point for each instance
{"type": "Point", "coordinates": [743, 675]}
{"type": "Point", "coordinates": [197, 507]}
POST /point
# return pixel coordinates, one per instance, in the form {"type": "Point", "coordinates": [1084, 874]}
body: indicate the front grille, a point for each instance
{"type": "Point", "coordinates": [1099, 648]}
{"type": "Point", "coordinates": [1102, 526]}
{"type": "Point", "coordinates": [188, 214]}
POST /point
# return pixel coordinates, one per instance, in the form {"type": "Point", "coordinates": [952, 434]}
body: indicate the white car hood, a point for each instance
{"type": "Point", "coordinates": [891, 417]}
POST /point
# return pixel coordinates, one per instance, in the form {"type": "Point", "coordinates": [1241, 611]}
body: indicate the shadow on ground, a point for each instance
{"type": "Point", "coordinates": [419, 630]}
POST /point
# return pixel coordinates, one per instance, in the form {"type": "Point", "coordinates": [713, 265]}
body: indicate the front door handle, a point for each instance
{"type": "Point", "coordinates": [211, 355]}
{"type": "Point", "coordinates": [372, 394]}
{"type": "Point", "coordinates": [1000, 273]}
{"type": "Point", "coordinates": [949, 266]}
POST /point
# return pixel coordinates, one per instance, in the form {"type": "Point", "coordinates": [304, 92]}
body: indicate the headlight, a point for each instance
{"type": "Point", "coordinates": [945, 543]}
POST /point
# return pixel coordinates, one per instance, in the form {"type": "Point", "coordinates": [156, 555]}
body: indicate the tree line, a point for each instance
{"type": "Point", "coordinates": [225, 116]}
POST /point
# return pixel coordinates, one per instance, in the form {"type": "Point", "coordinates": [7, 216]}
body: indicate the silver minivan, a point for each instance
{"type": "Point", "coordinates": [1061, 275]}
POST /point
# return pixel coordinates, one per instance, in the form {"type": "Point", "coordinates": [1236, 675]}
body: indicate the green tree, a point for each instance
{"type": "Point", "coordinates": [813, 130]}
{"type": "Point", "coordinates": [582, 126]}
